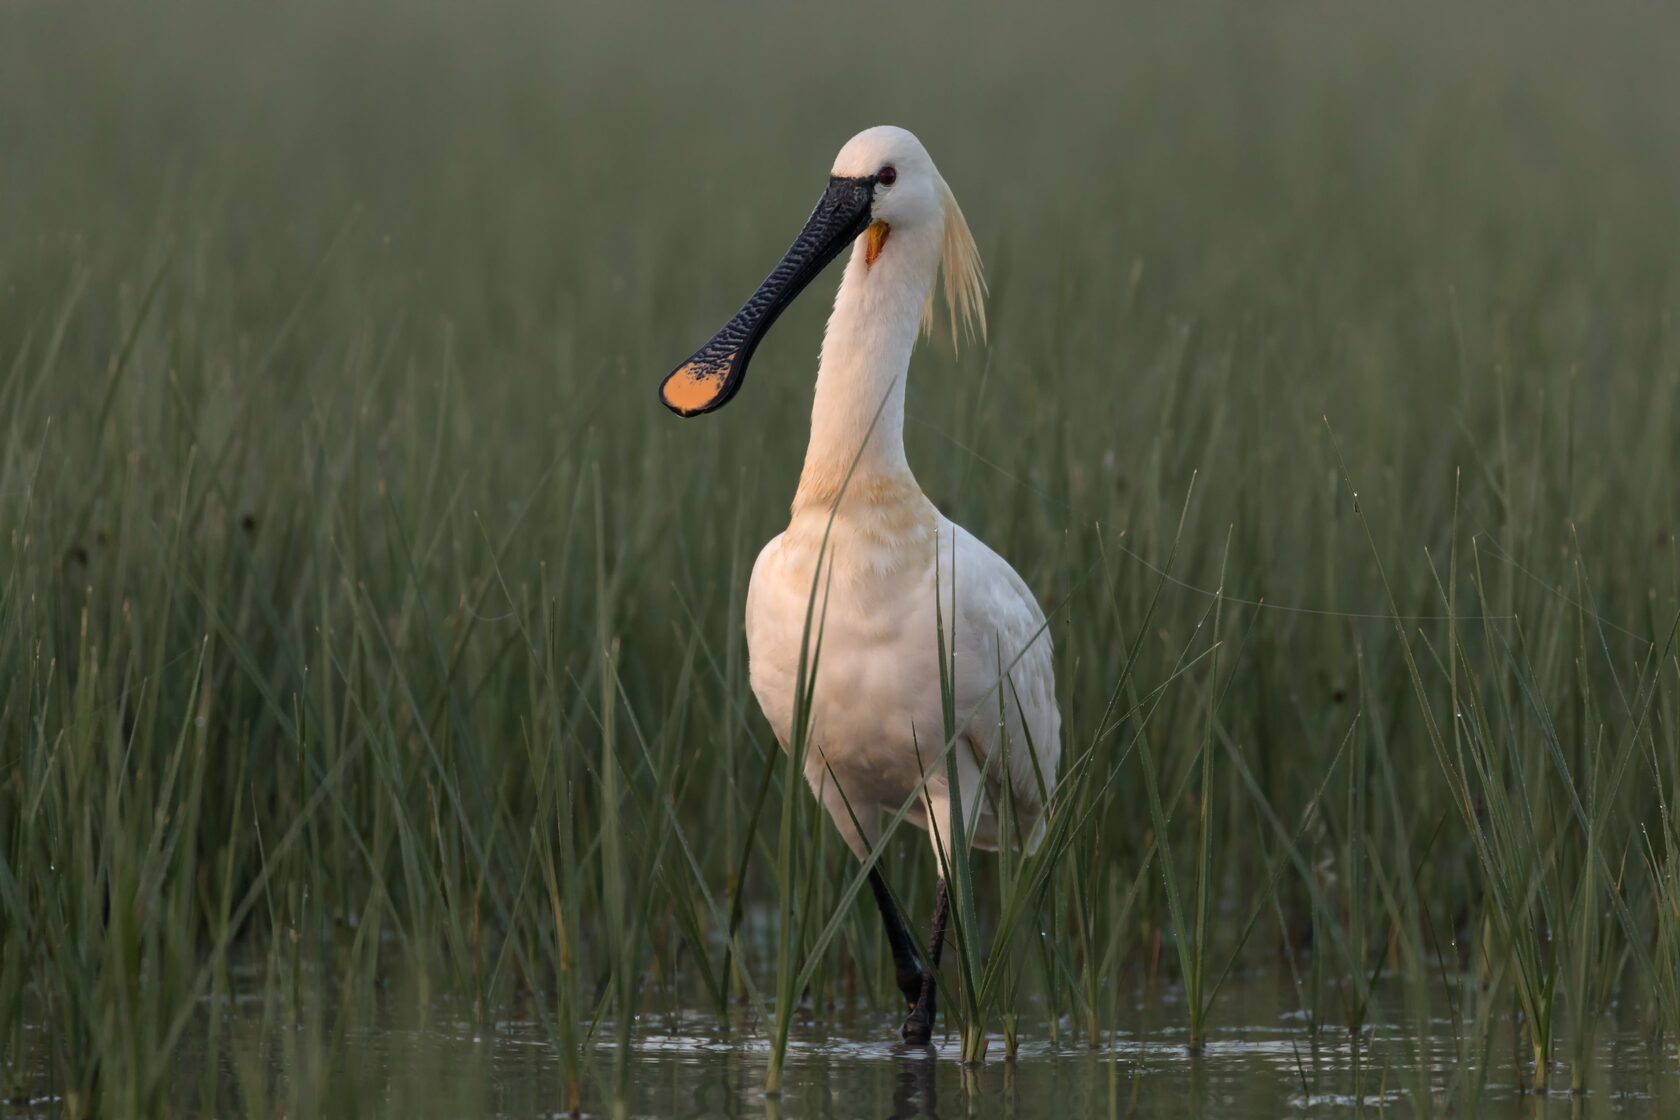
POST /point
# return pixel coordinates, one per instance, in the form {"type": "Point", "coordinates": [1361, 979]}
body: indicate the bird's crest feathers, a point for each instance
{"type": "Point", "coordinates": [960, 274]}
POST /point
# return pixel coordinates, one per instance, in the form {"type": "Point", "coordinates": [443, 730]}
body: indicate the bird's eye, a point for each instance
{"type": "Point", "coordinates": [887, 175]}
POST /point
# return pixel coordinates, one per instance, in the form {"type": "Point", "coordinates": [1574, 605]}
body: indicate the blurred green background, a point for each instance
{"type": "Point", "coordinates": [347, 550]}
{"type": "Point", "coordinates": [1362, 205]}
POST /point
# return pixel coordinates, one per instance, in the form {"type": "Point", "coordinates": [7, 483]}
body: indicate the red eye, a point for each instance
{"type": "Point", "coordinates": [887, 176]}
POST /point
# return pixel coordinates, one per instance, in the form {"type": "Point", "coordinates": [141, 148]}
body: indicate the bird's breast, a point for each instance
{"type": "Point", "coordinates": [872, 639]}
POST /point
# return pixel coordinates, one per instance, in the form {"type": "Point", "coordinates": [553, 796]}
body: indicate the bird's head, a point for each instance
{"type": "Point", "coordinates": [882, 180]}
{"type": "Point", "coordinates": [906, 190]}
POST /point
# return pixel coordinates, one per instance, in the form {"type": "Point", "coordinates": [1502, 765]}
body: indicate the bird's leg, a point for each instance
{"type": "Point", "coordinates": [907, 961]}
{"type": "Point", "coordinates": [919, 1026]}
{"type": "Point", "coordinates": [941, 914]}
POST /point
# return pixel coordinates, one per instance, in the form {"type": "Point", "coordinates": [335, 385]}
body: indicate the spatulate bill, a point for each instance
{"type": "Point", "coordinates": [713, 374]}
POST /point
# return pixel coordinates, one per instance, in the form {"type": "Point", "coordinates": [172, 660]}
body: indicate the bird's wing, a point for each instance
{"type": "Point", "coordinates": [999, 623]}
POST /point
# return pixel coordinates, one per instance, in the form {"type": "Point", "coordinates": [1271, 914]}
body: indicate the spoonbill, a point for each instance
{"type": "Point", "coordinates": [876, 718]}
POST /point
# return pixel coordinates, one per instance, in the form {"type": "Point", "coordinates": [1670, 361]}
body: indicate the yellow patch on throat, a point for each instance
{"type": "Point", "coordinates": [877, 237]}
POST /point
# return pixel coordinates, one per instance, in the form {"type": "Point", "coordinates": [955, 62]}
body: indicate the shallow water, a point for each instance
{"type": "Point", "coordinates": [1263, 1059]}
{"type": "Point", "coordinates": [1258, 1070]}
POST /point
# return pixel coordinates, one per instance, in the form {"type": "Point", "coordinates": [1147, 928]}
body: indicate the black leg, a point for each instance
{"type": "Point", "coordinates": [907, 961]}
{"type": "Point", "coordinates": [919, 1026]}
{"type": "Point", "coordinates": [941, 915]}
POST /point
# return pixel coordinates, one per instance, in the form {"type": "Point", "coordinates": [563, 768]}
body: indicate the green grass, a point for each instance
{"type": "Point", "coordinates": [370, 639]}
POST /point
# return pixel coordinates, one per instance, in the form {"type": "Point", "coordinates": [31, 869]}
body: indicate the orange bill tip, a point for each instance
{"type": "Point", "coordinates": [692, 387]}
{"type": "Point", "coordinates": [876, 238]}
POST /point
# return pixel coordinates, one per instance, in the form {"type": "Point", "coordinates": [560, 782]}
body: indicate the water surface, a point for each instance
{"type": "Point", "coordinates": [1264, 1059]}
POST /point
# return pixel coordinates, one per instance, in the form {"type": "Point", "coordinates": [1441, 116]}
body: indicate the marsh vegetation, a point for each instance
{"type": "Point", "coordinates": [374, 721]}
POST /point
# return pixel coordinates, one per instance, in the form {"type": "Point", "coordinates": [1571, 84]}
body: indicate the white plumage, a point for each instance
{"type": "Point", "coordinates": [877, 732]}
{"type": "Point", "coordinates": [877, 691]}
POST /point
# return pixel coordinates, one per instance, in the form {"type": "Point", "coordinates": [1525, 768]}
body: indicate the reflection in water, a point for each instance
{"type": "Point", "coordinates": [1198, 1089]}
{"type": "Point", "coordinates": [1263, 1059]}
{"type": "Point", "coordinates": [916, 1092]}
{"type": "Point", "coordinates": [717, 1091]}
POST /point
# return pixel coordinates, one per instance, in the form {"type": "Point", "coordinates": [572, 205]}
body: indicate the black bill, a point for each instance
{"type": "Point", "coordinates": [711, 377]}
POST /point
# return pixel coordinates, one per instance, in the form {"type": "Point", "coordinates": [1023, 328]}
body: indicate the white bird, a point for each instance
{"type": "Point", "coordinates": [876, 724]}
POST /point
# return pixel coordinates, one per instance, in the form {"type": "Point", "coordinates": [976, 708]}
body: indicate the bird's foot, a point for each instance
{"type": "Point", "coordinates": [918, 1028]}
{"type": "Point", "coordinates": [912, 982]}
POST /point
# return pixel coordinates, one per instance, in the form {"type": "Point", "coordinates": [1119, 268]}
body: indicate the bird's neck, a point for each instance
{"type": "Point", "coordinates": [857, 415]}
